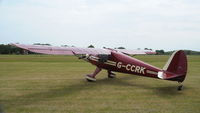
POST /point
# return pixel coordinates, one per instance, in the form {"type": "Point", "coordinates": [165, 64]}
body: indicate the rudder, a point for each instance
{"type": "Point", "coordinates": [177, 66]}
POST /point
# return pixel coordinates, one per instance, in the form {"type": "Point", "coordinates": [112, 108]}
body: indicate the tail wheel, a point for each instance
{"type": "Point", "coordinates": [180, 87]}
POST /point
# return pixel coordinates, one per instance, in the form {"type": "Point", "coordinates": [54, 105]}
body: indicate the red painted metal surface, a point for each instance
{"type": "Point", "coordinates": [122, 63]}
{"type": "Point", "coordinates": [118, 62]}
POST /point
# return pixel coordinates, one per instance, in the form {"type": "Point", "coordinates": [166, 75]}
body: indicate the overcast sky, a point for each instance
{"type": "Point", "coordinates": [156, 24]}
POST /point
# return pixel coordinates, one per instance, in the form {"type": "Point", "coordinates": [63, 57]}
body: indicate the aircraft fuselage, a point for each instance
{"type": "Point", "coordinates": [119, 62]}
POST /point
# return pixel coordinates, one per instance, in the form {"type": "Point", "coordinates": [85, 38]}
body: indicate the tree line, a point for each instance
{"type": "Point", "coordinates": [9, 49]}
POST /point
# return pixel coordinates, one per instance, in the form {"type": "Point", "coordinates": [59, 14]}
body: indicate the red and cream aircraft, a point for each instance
{"type": "Point", "coordinates": [118, 60]}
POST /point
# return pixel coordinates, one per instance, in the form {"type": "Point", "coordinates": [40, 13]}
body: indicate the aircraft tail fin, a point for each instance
{"type": "Point", "coordinates": [176, 67]}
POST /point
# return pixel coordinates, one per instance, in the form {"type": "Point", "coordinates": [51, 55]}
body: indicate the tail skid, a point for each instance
{"type": "Point", "coordinates": [176, 67]}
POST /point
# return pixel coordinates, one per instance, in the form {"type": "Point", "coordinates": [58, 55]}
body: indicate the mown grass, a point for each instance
{"type": "Point", "coordinates": [56, 84]}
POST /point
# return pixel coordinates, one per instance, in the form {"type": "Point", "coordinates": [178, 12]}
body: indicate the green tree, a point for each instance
{"type": "Point", "coordinates": [90, 46]}
{"type": "Point", "coordinates": [160, 52]}
{"type": "Point", "coordinates": [42, 44]}
{"type": "Point", "coordinates": [147, 49]}
{"type": "Point", "coordinates": [9, 49]}
{"type": "Point", "coordinates": [121, 48]}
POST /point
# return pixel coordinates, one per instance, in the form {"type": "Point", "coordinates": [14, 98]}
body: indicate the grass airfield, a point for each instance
{"type": "Point", "coordinates": [56, 84]}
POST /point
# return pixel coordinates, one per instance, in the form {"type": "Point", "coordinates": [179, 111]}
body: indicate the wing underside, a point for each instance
{"type": "Point", "coordinates": [75, 50]}
{"type": "Point", "coordinates": [61, 50]}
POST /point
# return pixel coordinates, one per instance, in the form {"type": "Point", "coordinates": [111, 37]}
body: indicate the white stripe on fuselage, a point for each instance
{"type": "Point", "coordinates": [108, 62]}
{"type": "Point", "coordinates": [128, 67]}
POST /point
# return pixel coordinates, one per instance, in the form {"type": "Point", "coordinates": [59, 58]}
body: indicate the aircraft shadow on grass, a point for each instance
{"type": "Point", "coordinates": [76, 88]}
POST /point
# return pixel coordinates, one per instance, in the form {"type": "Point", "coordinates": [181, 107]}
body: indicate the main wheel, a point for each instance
{"type": "Point", "coordinates": [90, 79]}
{"type": "Point", "coordinates": [179, 88]}
{"type": "Point", "coordinates": [111, 75]}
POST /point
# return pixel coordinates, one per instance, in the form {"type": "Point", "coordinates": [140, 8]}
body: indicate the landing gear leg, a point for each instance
{"type": "Point", "coordinates": [180, 87]}
{"type": "Point", "coordinates": [91, 77]}
{"type": "Point", "coordinates": [111, 75]}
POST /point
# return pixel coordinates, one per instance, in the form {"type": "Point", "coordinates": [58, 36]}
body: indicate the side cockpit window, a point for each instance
{"type": "Point", "coordinates": [103, 57]}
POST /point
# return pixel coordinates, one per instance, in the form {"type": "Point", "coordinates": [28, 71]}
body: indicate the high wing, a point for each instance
{"type": "Point", "coordinates": [61, 50]}
{"type": "Point", "coordinates": [75, 50]}
{"type": "Point", "coordinates": [135, 52]}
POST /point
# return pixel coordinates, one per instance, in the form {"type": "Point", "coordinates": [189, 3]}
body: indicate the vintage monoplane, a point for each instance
{"type": "Point", "coordinates": [118, 60]}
